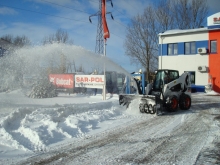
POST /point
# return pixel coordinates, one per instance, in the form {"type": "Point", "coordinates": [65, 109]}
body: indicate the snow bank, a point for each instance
{"type": "Point", "coordinates": [213, 93]}
{"type": "Point", "coordinates": [32, 129]}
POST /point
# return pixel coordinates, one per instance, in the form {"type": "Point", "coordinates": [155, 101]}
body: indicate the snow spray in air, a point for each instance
{"type": "Point", "coordinates": [38, 60]}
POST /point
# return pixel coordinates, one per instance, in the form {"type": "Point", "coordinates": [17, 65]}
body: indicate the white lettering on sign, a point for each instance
{"type": "Point", "coordinates": [216, 20]}
{"type": "Point", "coordinates": [89, 81]}
{"type": "Point", "coordinates": [60, 81]}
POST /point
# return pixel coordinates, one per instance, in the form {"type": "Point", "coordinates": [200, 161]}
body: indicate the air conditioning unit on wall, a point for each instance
{"type": "Point", "coordinates": [201, 50]}
{"type": "Point", "coordinates": [202, 68]}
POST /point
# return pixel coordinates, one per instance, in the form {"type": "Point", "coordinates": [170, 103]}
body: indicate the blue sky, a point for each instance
{"type": "Point", "coordinates": [39, 18]}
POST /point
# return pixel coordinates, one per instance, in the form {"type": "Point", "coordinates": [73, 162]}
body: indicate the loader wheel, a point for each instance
{"type": "Point", "coordinates": [173, 104]}
{"type": "Point", "coordinates": [185, 102]}
{"type": "Point", "coordinates": [146, 108]}
{"type": "Point", "coordinates": [141, 108]}
{"type": "Point", "coordinates": [152, 109]}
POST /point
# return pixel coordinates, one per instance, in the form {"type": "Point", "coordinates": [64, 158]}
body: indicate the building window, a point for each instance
{"type": "Point", "coordinates": [213, 46]}
{"type": "Point", "coordinates": [190, 47]}
{"type": "Point", "coordinates": [172, 49]}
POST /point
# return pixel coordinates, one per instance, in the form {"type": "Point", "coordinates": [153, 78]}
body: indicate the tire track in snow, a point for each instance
{"type": "Point", "coordinates": [102, 144]}
{"type": "Point", "coordinates": [176, 148]}
{"type": "Point", "coordinates": [210, 152]}
{"type": "Point", "coordinates": [172, 138]}
{"type": "Point", "coordinates": [132, 143]}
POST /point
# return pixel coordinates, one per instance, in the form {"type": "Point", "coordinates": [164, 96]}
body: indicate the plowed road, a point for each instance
{"type": "Point", "coordinates": [183, 137]}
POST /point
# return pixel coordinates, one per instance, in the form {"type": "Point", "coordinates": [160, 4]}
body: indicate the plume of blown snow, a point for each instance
{"type": "Point", "coordinates": [33, 61]}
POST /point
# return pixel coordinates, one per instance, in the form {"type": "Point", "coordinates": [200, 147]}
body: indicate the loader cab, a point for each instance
{"type": "Point", "coordinates": [164, 76]}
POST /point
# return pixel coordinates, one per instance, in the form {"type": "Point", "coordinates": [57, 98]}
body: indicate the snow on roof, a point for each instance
{"type": "Point", "coordinates": [179, 31]}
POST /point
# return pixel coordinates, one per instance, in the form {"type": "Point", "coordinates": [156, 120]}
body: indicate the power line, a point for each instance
{"type": "Point", "coordinates": [65, 6]}
{"type": "Point", "coordinates": [117, 11]}
{"type": "Point", "coordinates": [117, 35]}
{"type": "Point", "coordinates": [84, 11]}
{"type": "Point", "coordinates": [121, 24]}
{"type": "Point", "coordinates": [94, 1]}
{"type": "Point", "coordinates": [43, 13]}
{"type": "Point", "coordinates": [122, 14]}
{"type": "Point", "coordinates": [55, 16]}
{"type": "Point", "coordinates": [113, 9]}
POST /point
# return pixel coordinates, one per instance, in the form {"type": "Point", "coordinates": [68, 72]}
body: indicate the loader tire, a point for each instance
{"type": "Point", "coordinates": [141, 107]}
{"type": "Point", "coordinates": [172, 106]}
{"type": "Point", "coordinates": [146, 108]}
{"type": "Point", "coordinates": [185, 102]}
{"type": "Point", "coordinates": [151, 109]}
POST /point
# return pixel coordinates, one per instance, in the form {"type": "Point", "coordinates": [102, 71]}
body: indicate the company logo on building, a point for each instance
{"type": "Point", "coordinates": [216, 20]}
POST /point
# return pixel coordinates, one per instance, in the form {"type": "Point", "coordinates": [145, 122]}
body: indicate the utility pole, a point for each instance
{"type": "Point", "coordinates": [102, 35]}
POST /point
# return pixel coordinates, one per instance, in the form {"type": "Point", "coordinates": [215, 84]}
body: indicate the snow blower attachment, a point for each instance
{"type": "Point", "coordinates": [167, 92]}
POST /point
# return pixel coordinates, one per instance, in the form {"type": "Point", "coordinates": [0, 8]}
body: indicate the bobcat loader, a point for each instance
{"type": "Point", "coordinates": [167, 92]}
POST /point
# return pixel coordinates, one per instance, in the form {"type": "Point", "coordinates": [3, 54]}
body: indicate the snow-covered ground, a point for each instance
{"type": "Point", "coordinates": [31, 125]}
{"type": "Point", "coordinates": [32, 128]}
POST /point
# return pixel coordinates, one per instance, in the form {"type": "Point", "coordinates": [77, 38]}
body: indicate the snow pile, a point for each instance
{"type": "Point", "coordinates": [213, 93]}
{"type": "Point", "coordinates": [36, 129]}
{"type": "Point", "coordinates": [133, 108]}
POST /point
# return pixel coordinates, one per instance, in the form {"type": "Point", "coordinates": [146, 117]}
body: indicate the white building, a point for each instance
{"type": "Point", "coordinates": [196, 51]}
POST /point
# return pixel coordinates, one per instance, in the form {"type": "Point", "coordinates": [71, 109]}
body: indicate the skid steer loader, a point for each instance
{"type": "Point", "coordinates": [167, 92]}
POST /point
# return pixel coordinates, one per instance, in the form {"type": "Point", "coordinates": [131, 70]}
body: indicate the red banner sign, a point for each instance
{"type": "Point", "coordinates": [105, 26]}
{"type": "Point", "coordinates": [62, 80]}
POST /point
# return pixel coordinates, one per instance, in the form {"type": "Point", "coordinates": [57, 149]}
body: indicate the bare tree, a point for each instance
{"type": "Point", "coordinates": [60, 36]}
{"type": "Point", "coordinates": [141, 40]}
{"type": "Point", "coordinates": [80, 68]}
{"type": "Point", "coordinates": [164, 15]}
{"type": "Point", "coordinates": [21, 41]}
{"type": "Point", "coordinates": [18, 41]}
{"type": "Point", "coordinates": [8, 38]}
{"type": "Point", "coordinates": [199, 13]}
{"type": "Point", "coordinates": [63, 63]}
{"type": "Point", "coordinates": [189, 14]}
{"type": "Point", "coordinates": [182, 14]}
{"type": "Point", "coordinates": [69, 67]}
